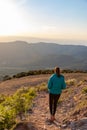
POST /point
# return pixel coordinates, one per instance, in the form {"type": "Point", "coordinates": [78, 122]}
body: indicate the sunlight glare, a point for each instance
{"type": "Point", "coordinates": [11, 18]}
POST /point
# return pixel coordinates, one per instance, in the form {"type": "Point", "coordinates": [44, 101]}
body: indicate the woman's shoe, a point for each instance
{"type": "Point", "coordinates": [49, 121]}
{"type": "Point", "coordinates": [52, 118]}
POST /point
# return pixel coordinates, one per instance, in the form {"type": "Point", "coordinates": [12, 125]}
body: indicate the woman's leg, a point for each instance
{"type": "Point", "coordinates": [56, 98]}
{"type": "Point", "coordinates": [51, 105]}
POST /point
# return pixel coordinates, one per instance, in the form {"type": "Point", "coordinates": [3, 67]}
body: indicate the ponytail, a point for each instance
{"type": "Point", "coordinates": [57, 71]}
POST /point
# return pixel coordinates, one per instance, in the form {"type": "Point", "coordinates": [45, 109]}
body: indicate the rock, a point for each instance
{"type": "Point", "coordinates": [79, 125]}
{"type": "Point", "coordinates": [84, 120]}
{"type": "Point", "coordinates": [64, 126]}
{"type": "Point", "coordinates": [30, 111]}
{"type": "Point", "coordinates": [21, 126]}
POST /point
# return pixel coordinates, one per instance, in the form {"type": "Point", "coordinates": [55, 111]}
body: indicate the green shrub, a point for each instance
{"type": "Point", "coordinates": [6, 77]}
{"type": "Point", "coordinates": [41, 87]}
{"type": "Point", "coordinates": [2, 98]}
{"type": "Point", "coordinates": [33, 72]}
{"type": "Point", "coordinates": [19, 75]}
{"type": "Point", "coordinates": [71, 82]}
{"type": "Point", "coordinates": [84, 90]}
{"type": "Point", "coordinates": [7, 116]}
{"type": "Point", "coordinates": [11, 106]}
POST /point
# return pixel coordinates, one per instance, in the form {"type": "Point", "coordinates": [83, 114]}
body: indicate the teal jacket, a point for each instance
{"type": "Point", "coordinates": [56, 84]}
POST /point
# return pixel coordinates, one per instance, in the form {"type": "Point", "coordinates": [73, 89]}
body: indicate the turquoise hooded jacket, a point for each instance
{"type": "Point", "coordinates": [56, 84]}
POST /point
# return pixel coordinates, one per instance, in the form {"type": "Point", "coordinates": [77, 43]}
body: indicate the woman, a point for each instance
{"type": "Point", "coordinates": [55, 85]}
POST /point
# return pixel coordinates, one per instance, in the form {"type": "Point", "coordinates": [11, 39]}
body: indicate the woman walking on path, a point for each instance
{"type": "Point", "coordinates": [55, 85]}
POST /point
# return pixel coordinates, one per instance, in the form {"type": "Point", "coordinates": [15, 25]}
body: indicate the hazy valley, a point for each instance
{"type": "Point", "coordinates": [20, 56]}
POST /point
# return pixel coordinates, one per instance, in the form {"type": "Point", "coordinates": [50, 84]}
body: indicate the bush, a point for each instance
{"type": "Point", "coordinates": [19, 75]}
{"type": "Point", "coordinates": [71, 82]}
{"type": "Point", "coordinates": [84, 90]}
{"type": "Point", "coordinates": [32, 72]}
{"type": "Point", "coordinates": [7, 116]}
{"type": "Point", "coordinates": [6, 77]}
{"type": "Point", "coordinates": [12, 106]}
{"type": "Point", "coordinates": [41, 87]}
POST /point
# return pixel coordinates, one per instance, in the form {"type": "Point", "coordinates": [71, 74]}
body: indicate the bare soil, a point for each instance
{"type": "Point", "coordinates": [10, 86]}
{"type": "Point", "coordinates": [65, 120]}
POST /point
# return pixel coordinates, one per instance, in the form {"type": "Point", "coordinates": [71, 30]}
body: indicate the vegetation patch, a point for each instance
{"type": "Point", "coordinates": [41, 87]}
{"type": "Point", "coordinates": [80, 107]}
{"type": "Point", "coordinates": [84, 90]}
{"type": "Point", "coordinates": [15, 105]}
{"type": "Point", "coordinates": [71, 82]}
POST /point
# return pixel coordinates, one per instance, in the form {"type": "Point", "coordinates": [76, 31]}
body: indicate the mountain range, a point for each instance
{"type": "Point", "coordinates": [20, 56]}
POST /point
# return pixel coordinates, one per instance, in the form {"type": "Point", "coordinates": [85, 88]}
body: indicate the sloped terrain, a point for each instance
{"type": "Point", "coordinates": [72, 107]}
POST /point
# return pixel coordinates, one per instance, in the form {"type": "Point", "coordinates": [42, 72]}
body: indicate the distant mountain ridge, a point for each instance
{"type": "Point", "coordinates": [20, 55]}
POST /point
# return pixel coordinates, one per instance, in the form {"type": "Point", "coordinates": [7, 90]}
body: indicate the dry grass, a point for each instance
{"type": "Point", "coordinates": [73, 101]}
{"type": "Point", "coordinates": [11, 86]}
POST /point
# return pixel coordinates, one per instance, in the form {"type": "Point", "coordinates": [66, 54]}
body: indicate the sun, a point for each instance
{"type": "Point", "coordinates": [11, 18]}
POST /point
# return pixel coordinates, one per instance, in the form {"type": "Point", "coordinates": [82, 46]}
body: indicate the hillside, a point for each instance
{"type": "Point", "coordinates": [72, 107]}
{"type": "Point", "coordinates": [20, 56]}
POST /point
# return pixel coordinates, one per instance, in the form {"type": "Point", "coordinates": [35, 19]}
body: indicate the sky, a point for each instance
{"type": "Point", "coordinates": [49, 19]}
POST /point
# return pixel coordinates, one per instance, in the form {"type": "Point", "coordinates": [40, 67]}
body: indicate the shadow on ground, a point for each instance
{"type": "Point", "coordinates": [25, 126]}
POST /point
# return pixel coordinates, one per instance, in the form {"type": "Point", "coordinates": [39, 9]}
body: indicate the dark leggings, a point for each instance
{"type": "Point", "coordinates": [53, 100]}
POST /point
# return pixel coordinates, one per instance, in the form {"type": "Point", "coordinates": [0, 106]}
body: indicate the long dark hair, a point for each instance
{"type": "Point", "coordinates": [57, 71]}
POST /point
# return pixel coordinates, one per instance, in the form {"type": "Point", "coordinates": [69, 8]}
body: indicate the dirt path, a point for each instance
{"type": "Point", "coordinates": [41, 113]}
{"type": "Point", "coordinates": [40, 110]}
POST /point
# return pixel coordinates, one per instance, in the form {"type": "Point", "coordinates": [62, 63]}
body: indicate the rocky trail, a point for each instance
{"type": "Point", "coordinates": [40, 112]}
{"type": "Point", "coordinates": [71, 110]}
